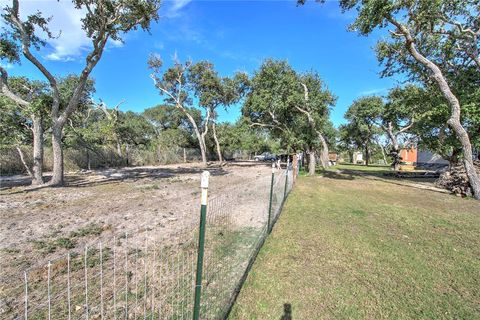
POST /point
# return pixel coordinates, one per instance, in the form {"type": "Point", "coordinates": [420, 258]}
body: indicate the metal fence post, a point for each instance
{"type": "Point", "coordinates": [201, 245]}
{"type": "Point", "coordinates": [286, 180]}
{"type": "Point", "coordinates": [269, 229]}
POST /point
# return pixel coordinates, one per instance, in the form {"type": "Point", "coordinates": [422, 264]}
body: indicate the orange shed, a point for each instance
{"type": "Point", "coordinates": [408, 155]}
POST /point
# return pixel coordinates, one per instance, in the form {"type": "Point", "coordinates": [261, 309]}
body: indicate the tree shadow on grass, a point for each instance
{"type": "Point", "coordinates": [419, 182]}
{"type": "Point", "coordinates": [337, 175]}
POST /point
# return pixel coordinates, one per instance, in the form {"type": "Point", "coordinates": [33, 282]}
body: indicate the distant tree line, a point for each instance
{"type": "Point", "coordinates": [434, 44]}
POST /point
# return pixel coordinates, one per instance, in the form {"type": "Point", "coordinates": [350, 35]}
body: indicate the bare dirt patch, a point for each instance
{"type": "Point", "coordinates": [38, 225]}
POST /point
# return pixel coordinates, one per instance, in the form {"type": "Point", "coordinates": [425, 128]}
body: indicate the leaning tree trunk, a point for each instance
{"type": "Point", "coordinates": [454, 120]}
{"type": "Point", "coordinates": [57, 178]}
{"type": "Point", "coordinates": [384, 155]}
{"type": "Point", "coordinates": [22, 160]}
{"type": "Point", "coordinates": [217, 144]}
{"type": "Point", "coordinates": [200, 138]}
{"type": "Point", "coordinates": [37, 174]}
{"type": "Point", "coordinates": [324, 159]}
{"type": "Point", "coordinates": [203, 150]}
{"type": "Point", "coordinates": [311, 162]}
{"type": "Point", "coordinates": [203, 145]}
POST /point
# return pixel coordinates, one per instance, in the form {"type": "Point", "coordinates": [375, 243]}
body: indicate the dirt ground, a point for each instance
{"type": "Point", "coordinates": [37, 225]}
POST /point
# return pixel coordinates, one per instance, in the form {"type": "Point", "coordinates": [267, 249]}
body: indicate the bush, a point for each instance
{"type": "Point", "coordinates": [104, 157]}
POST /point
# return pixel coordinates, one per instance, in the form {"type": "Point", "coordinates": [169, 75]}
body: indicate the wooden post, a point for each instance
{"type": "Point", "coordinates": [295, 167]}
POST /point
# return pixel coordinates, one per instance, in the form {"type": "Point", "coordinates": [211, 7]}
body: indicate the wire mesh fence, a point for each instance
{"type": "Point", "coordinates": [151, 276]}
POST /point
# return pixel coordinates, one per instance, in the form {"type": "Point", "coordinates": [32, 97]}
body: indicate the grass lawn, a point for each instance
{"type": "Point", "coordinates": [347, 247]}
{"type": "Point", "coordinates": [359, 167]}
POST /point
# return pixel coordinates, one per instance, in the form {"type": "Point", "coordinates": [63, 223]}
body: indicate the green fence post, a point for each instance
{"type": "Point", "coordinates": [286, 180]}
{"type": "Point", "coordinates": [269, 229]}
{"type": "Point", "coordinates": [201, 245]}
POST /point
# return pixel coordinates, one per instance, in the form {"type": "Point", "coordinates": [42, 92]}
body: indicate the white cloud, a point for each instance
{"type": "Point", "coordinates": [6, 66]}
{"type": "Point", "coordinates": [174, 7]}
{"type": "Point", "coordinates": [116, 43]}
{"type": "Point", "coordinates": [373, 91]}
{"type": "Point", "coordinates": [71, 41]}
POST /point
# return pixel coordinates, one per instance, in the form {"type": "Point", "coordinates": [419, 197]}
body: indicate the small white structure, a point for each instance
{"type": "Point", "coordinates": [358, 158]}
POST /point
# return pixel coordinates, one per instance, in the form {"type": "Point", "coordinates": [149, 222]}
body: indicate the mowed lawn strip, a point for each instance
{"type": "Point", "coordinates": [353, 248]}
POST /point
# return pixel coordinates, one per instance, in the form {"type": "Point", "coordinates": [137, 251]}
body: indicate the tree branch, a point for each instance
{"type": "Point", "coordinates": [258, 124]}
{"type": "Point", "coordinates": [406, 127]}
{"type": "Point", "coordinates": [26, 52]}
{"type": "Point", "coordinates": [5, 90]}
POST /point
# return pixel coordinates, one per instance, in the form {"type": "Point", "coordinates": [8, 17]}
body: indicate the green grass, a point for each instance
{"type": "Point", "coordinates": [350, 168]}
{"type": "Point", "coordinates": [358, 248]}
{"type": "Point", "coordinates": [359, 167]}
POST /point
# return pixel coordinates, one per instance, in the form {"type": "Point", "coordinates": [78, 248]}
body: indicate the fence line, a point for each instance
{"type": "Point", "coordinates": [131, 276]}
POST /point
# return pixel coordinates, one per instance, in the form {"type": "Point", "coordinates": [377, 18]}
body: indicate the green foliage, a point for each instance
{"type": "Point", "coordinates": [404, 105]}
{"type": "Point", "coordinates": [446, 34]}
{"type": "Point", "coordinates": [431, 127]}
{"type": "Point", "coordinates": [241, 137]}
{"type": "Point", "coordinates": [17, 120]}
{"type": "Point", "coordinates": [14, 125]}
{"type": "Point", "coordinates": [363, 115]}
{"type": "Point", "coordinates": [276, 91]}
{"type": "Point", "coordinates": [134, 129]}
{"type": "Point", "coordinates": [164, 117]}
{"type": "Point", "coordinates": [269, 102]}
{"type": "Point", "coordinates": [9, 50]}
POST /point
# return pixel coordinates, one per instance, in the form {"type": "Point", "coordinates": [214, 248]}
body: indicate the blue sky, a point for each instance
{"type": "Point", "coordinates": [234, 35]}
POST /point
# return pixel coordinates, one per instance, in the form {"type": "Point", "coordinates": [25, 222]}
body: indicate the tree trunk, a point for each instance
{"type": "Point", "coordinates": [383, 153]}
{"type": "Point", "coordinates": [201, 141]}
{"type": "Point", "coordinates": [203, 149]}
{"type": "Point", "coordinates": [472, 174]}
{"type": "Point", "coordinates": [57, 178]}
{"type": "Point", "coordinates": [217, 144]}
{"type": "Point", "coordinates": [367, 155]}
{"type": "Point", "coordinates": [396, 163]}
{"type": "Point", "coordinates": [324, 159]}
{"type": "Point", "coordinates": [89, 167]}
{"type": "Point", "coordinates": [453, 158]}
{"type": "Point", "coordinates": [350, 156]}
{"type": "Point", "coordinates": [454, 120]}
{"type": "Point", "coordinates": [395, 153]}
{"type": "Point", "coordinates": [37, 177]}
{"type": "Point", "coordinates": [119, 149]}
{"type": "Point", "coordinates": [127, 154]}
{"type": "Point", "coordinates": [22, 159]}
{"type": "Point", "coordinates": [295, 166]}
{"type": "Point", "coordinates": [184, 155]}
{"type": "Point", "coordinates": [311, 162]}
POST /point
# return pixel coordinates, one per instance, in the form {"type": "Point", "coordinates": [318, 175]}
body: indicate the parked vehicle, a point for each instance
{"type": "Point", "coordinates": [266, 156]}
